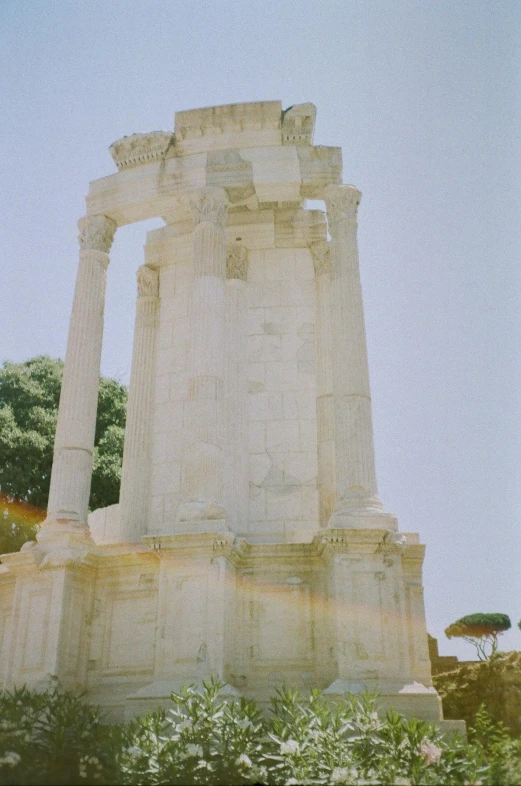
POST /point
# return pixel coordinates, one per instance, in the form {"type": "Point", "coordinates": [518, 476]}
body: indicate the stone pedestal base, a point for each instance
{"type": "Point", "coordinates": [130, 623]}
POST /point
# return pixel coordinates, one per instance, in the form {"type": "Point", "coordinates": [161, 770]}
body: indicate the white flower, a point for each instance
{"type": "Point", "coordinates": [243, 761]}
{"type": "Point", "coordinates": [194, 750]}
{"type": "Point", "coordinates": [292, 782]}
{"type": "Point", "coordinates": [342, 775]}
{"type": "Point", "coordinates": [430, 752]}
{"type": "Point", "coordinates": [11, 759]}
{"type": "Point", "coordinates": [291, 746]}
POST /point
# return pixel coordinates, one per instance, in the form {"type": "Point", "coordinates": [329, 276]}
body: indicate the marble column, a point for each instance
{"type": "Point", "coordinates": [203, 464]}
{"type": "Point", "coordinates": [135, 473]}
{"type": "Point", "coordinates": [74, 442]}
{"type": "Point", "coordinates": [236, 388]}
{"type": "Point", "coordinates": [354, 454]}
{"type": "Point", "coordinates": [325, 400]}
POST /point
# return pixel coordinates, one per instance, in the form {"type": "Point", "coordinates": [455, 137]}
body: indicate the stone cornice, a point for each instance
{"type": "Point", "coordinates": [138, 149]}
{"type": "Point", "coordinates": [216, 543]}
{"type": "Point", "coordinates": [245, 554]}
{"type": "Point", "coordinates": [350, 541]}
{"type": "Point", "coordinates": [298, 124]}
{"type": "Point", "coordinates": [230, 125]}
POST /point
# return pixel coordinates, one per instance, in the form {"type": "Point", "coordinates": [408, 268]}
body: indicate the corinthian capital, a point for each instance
{"type": "Point", "coordinates": [341, 203]}
{"type": "Point", "coordinates": [210, 205]}
{"type": "Point", "coordinates": [237, 262]}
{"type": "Point", "coordinates": [320, 253]}
{"type": "Point", "coordinates": [96, 233]}
{"type": "Point", "coordinates": [147, 282]}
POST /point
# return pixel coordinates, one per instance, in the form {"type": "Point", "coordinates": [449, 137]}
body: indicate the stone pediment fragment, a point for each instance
{"type": "Point", "coordinates": [138, 149]}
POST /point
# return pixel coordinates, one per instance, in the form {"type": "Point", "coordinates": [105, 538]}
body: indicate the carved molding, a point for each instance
{"type": "Point", "coordinates": [320, 253]}
{"type": "Point", "coordinates": [147, 282]}
{"type": "Point", "coordinates": [298, 124]}
{"type": "Point", "coordinates": [223, 544]}
{"type": "Point", "coordinates": [138, 149]}
{"type": "Point", "coordinates": [230, 118]}
{"type": "Point", "coordinates": [96, 233]}
{"type": "Point", "coordinates": [328, 543]}
{"type": "Point", "coordinates": [237, 262]}
{"type": "Point", "coordinates": [210, 205]}
{"type": "Point", "coordinates": [393, 543]}
{"type": "Point", "coordinates": [342, 203]}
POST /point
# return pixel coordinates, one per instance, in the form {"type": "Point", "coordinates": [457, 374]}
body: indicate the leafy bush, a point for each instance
{"type": "Point", "coordinates": [202, 740]}
{"type": "Point", "coordinates": [52, 738]}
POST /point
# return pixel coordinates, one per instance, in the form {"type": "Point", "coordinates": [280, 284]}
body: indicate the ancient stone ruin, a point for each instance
{"type": "Point", "coordinates": [249, 541]}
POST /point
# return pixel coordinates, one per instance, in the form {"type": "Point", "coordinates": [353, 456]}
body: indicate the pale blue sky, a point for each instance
{"type": "Point", "coordinates": [423, 97]}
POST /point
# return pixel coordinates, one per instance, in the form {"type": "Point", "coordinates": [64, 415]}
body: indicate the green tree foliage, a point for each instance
{"type": "Point", "coordinates": [29, 398]}
{"type": "Point", "coordinates": [480, 630]}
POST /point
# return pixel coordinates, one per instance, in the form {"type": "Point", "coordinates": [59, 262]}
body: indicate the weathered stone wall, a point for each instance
{"type": "Point", "coordinates": [282, 393]}
{"type": "Point", "coordinates": [495, 683]}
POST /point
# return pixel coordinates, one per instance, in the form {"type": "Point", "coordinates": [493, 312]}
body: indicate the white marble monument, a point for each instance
{"type": "Point", "coordinates": [249, 541]}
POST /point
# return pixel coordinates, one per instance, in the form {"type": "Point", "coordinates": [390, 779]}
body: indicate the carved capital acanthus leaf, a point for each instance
{"type": "Point", "coordinates": [320, 253]}
{"type": "Point", "coordinates": [237, 262]}
{"type": "Point", "coordinates": [147, 282]}
{"type": "Point", "coordinates": [96, 233]}
{"type": "Point", "coordinates": [209, 205]}
{"type": "Point", "coordinates": [341, 203]}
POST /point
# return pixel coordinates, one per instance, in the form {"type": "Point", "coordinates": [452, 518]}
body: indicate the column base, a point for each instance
{"type": "Point", "coordinates": [359, 511]}
{"type": "Point", "coordinates": [57, 534]}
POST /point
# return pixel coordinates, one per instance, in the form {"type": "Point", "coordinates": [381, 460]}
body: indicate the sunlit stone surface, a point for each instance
{"type": "Point", "coordinates": [250, 541]}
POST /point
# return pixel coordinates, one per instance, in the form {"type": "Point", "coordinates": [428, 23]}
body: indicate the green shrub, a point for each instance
{"type": "Point", "coordinates": [56, 738]}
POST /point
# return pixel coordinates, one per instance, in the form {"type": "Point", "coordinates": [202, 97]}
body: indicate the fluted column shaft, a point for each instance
{"type": "Point", "coordinates": [236, 388]}
{"type": "Point", "coordinates": [135, 473]}
{"type": "Point", "coordinates": [355, 466]}
{"type": "Point", "coordinates": [325, 399]}
{"type": "Point", "coordinates": [74, 442]}
{"type": "Point", "coordinates": [203, 465]}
